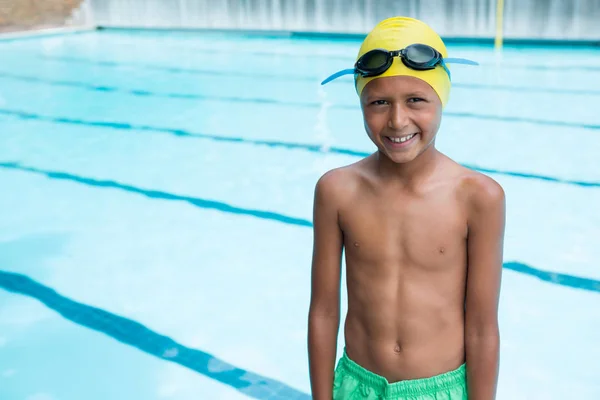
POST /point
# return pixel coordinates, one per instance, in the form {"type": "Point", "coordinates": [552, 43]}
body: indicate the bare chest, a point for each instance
{"type": "Point", "coordinates": [427, 231]}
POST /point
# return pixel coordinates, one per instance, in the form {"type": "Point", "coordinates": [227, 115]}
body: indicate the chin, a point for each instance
{"type": "Point", "coordinates": [400, 158]}
{"type": "Point", "coordinates": [404, 159]}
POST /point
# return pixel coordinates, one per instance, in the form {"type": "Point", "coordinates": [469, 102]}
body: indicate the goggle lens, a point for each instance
{"type": "Point", "coordinates": [375, 60]}
{"type": "Point", "coordinates": [420, 54]}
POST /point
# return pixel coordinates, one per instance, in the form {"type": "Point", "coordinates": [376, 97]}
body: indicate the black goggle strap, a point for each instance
{"type": "Point", "coordinates": [352, 71]}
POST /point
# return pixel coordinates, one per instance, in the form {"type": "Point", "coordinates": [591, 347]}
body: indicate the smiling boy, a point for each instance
{"type": "Point", "coordinates": [423, 240]}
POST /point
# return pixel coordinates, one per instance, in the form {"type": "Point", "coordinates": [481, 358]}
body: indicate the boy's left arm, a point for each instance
{"type": "Point", "coordinates": [485, 245]}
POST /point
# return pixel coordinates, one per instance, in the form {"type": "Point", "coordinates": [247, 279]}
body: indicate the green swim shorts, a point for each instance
{"type": "Point", "coordinates": [353, 382]}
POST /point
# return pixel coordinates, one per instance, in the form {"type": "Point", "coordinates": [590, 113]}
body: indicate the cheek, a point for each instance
{"type": "Point", "coordinates": [374, 123]}
{"type": "Point", "coordinates": [430, 122]}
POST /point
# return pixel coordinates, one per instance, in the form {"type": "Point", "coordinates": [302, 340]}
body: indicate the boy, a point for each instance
{"type": "Point", "coordinates": [423, 239]}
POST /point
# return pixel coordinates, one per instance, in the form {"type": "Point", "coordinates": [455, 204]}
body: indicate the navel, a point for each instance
{"type": "Point", "coordinates": [441, 250]}
{"type": "Point", "coordinates": [356, 244]}
{"type": "Point", "coordinates": [397, 348]}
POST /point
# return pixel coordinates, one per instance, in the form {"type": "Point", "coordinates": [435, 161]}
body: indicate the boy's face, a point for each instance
{"type": "Point", "coordinates": [398, 108]}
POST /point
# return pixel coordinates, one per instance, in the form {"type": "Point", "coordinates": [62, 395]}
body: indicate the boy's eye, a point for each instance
{"type": "Point", "coordinates": [379, 102]}
{"type": "Point", "coordinates": [415, 100]}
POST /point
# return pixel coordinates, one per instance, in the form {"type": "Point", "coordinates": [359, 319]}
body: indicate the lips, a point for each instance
{"type": "Point", "coordinates": [400, 141]}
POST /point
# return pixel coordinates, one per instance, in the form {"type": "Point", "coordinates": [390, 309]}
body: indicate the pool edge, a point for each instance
{"type": "Point", "coordinates": [482, 40]}
{"type": "Point", "coordinates": [283, 34]}
{"type": "Point", "coordinates": [36, 33]}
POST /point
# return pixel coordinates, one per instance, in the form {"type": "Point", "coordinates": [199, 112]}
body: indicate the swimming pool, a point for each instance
{"type": "Point", "coordinates": [155, 219]}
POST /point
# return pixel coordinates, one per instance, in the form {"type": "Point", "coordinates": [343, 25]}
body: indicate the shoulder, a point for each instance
{"type": "Point", "coordinates": [339, 184]}
{"type": "Point", "coordinates": [482, 193]}
{"type": "Point", "coordinates": [475, 189]}
{"type": "Point", "coordinates": [337, 181]}
{"type": "Point", "coordinates": [334, 180]}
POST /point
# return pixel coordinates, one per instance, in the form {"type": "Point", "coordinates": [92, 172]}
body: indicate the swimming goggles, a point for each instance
{"type": "Point", "coordinates": [420, 57]}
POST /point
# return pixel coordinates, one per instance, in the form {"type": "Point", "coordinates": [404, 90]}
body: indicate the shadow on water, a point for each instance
{"type": "Point", "coordinates": [32, 251]}
{"type": "Point", "coordinates": [137, 335]}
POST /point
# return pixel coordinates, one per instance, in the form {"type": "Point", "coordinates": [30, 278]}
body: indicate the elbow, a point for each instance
{"type": "Point", "coordinates": [486, 339]}
{"type": "Point", "coordinates": [482, 332]}
{"type": "Point", "coordinates": [323, 324]}
{"type": "Point", "coordinates": [323, 311]}
{"type": "Point", "coordinates": [324, 307]}
{"type": "Point", "coordinates": [481, 323]}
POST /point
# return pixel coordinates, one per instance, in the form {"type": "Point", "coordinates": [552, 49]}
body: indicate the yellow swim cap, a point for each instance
{"type": "Point", "coordinates": [397, 33]}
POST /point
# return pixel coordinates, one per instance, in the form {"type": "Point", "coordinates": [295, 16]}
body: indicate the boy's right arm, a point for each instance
{"type": "Point", "coordinates": [324, 313]}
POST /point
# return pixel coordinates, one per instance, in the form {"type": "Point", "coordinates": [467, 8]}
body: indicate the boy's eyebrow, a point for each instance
{"type": "Point", "coordinates": [384, 96]}
{"type": "Point", "coordinates": [416, 93]}
{"type": "Point", "coordinates": [376, 96]}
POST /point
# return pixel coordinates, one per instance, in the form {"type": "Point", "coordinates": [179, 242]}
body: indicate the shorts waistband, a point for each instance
{"type": "Point", "coordinates": [411, 387]}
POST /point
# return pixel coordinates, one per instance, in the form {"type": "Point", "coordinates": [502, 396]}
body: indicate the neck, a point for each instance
{"type": "Point", "coordinates": [410, 173]}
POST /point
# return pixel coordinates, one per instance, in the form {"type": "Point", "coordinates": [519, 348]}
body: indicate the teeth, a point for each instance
{"type": "Point", "coordinates": [402, 139]}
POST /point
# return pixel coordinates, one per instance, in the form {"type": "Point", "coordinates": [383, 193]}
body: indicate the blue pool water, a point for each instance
{"type": "Point", "coordinates": [155, 216]}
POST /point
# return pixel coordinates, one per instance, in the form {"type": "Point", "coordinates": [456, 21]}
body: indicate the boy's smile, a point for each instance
{"type": "Point", "coordinates": [400, 142]}
{"type": "Point", "coordinates": [402, 115]}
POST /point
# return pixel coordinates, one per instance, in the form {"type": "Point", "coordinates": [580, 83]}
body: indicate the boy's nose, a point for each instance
{"type": "Point", "coordinates": [398, 118]}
